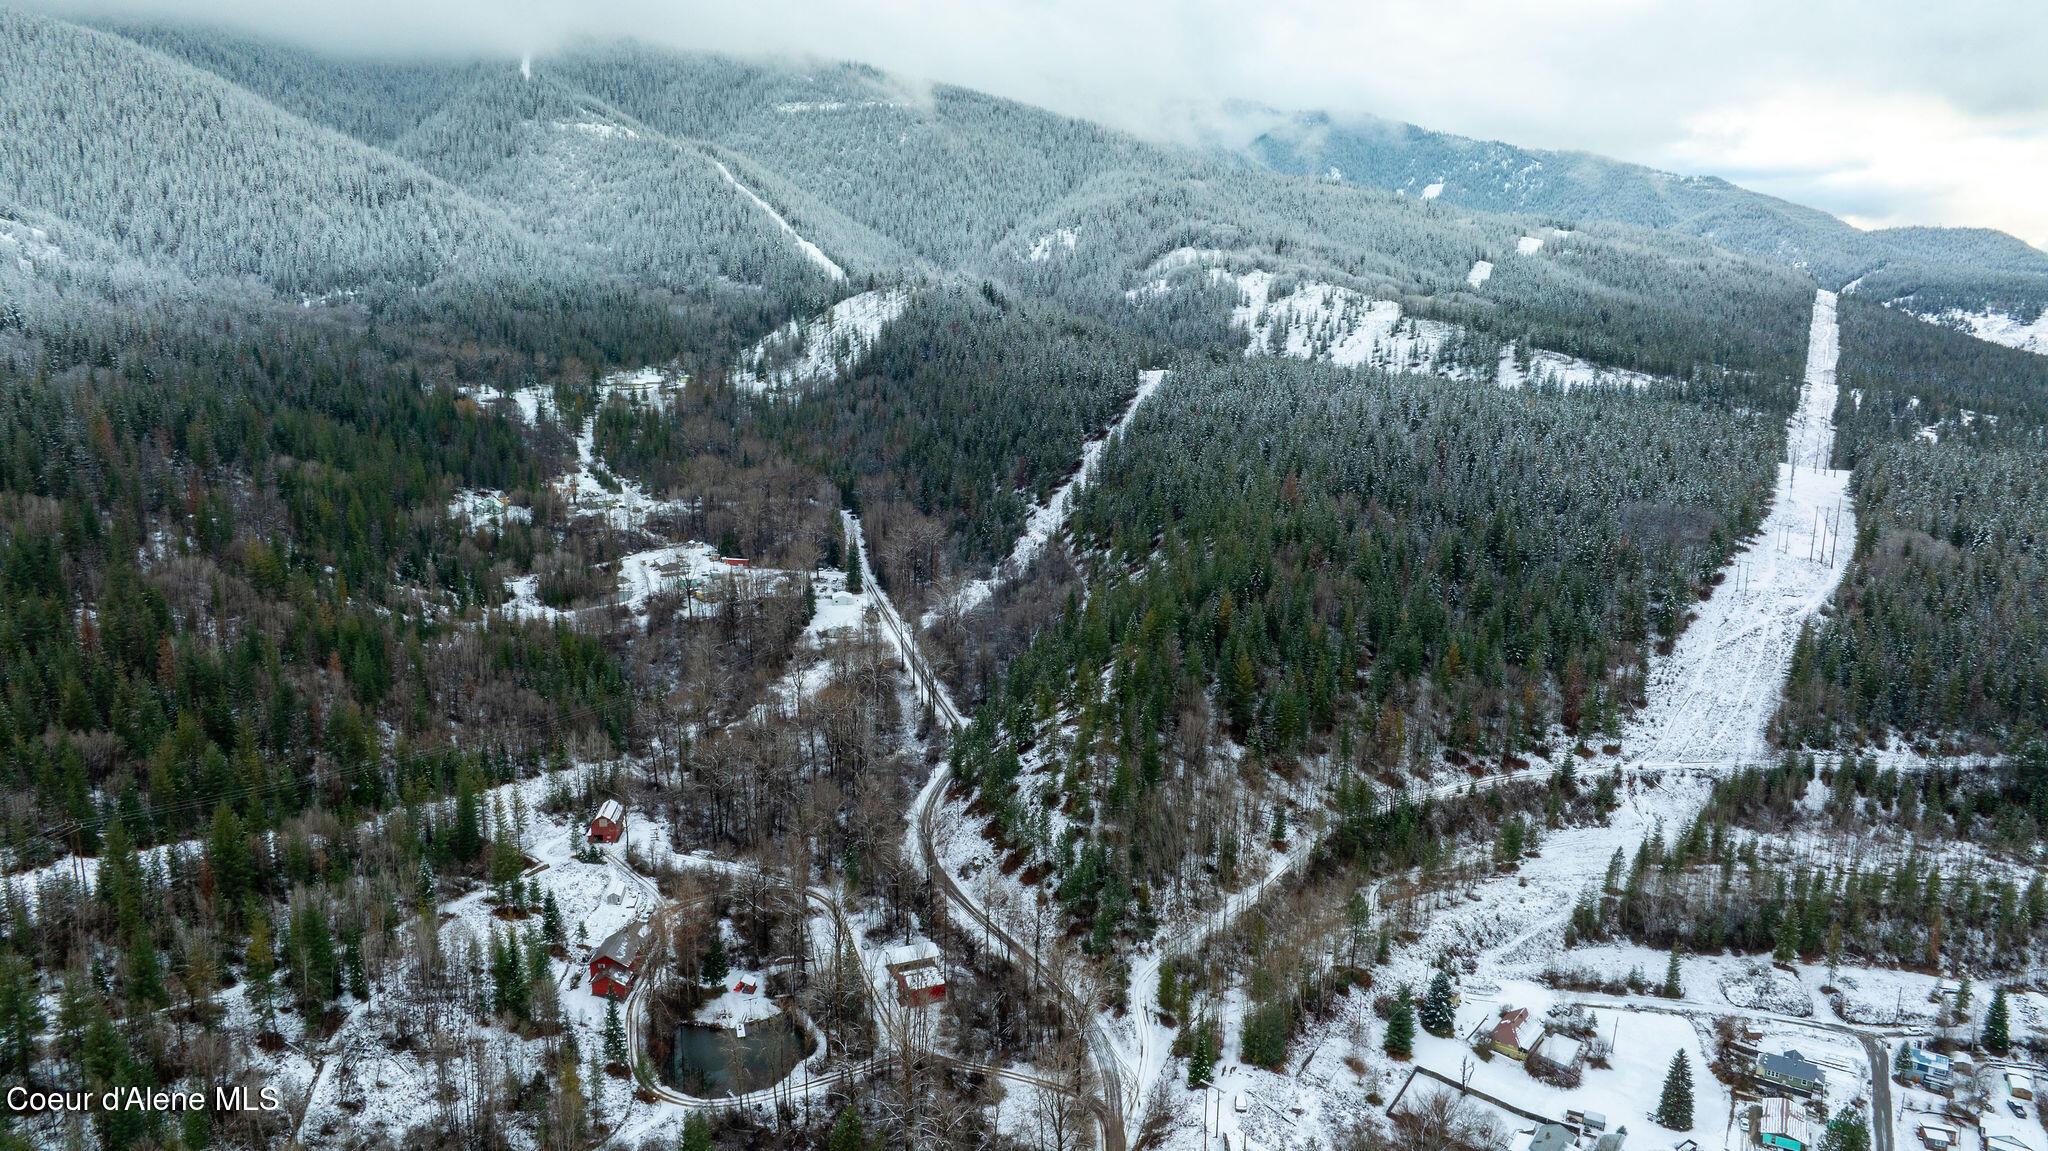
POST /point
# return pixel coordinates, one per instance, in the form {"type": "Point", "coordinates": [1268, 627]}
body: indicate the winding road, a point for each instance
{"type": "Point", "coordinates": [1710, 704]}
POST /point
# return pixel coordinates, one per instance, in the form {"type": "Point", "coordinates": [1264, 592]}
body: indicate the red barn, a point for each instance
{"type": "Point", "coordinates": [915, 969]}
{"type": "Point", "coordinates": [617, 960]}
{"type": "Point", "coordinates": [609, 822]}
{"type": "Point", "coordinates": [920, 983]}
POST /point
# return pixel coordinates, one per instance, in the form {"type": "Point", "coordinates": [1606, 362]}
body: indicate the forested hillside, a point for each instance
{"type": "Point", "coordinates": [911, 519]}
{"type": "Point", "coordinates": [1938, 628]}
{"type": "Point", "coordinates": [1930, 269]}
{"type": "Point", "coordinates": [1299, 562]}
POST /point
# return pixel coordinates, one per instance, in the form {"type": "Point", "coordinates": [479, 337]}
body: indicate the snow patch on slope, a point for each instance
{"type": "Point", "coordinates": [1528, 245]}
{"type": "Point", "coordinates": [823, 347]}
{"type": "Point", "coordinates": [1318, 321]}
{"type": "Point", "coordinates": [1042, 247]}
{"type": "Point", "coordinates": [1433, 191]}
{"type": "Point", "coordinates": [1996, 327]}
{"type": "Point", "coordinates": [1482, 271]}
{"type": "Point", "coordinates": [1557, 370]}
{"type": "Point", "coordinates": [592, 128]}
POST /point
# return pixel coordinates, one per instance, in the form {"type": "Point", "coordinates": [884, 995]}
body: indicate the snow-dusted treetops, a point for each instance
{"type": "Point", "coordinates": [1151, 580]}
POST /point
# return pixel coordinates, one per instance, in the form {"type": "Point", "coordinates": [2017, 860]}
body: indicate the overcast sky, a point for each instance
{"type": "Point", "coordinates": [1881, 111]}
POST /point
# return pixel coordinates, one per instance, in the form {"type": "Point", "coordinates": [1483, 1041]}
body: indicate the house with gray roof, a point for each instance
{"type": "Point", "coordinates": [1791, 1073]}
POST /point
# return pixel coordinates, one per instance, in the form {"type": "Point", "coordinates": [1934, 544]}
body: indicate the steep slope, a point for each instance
{"type": "Point", "coordinates": [1950, 267]}
{"type": "Point", "coordinates": [175, 165]}
{"type": "Point", "coordinates": [374, 101]}
{"type": "Point", "coordinates": [947, 172]}
{"type": "Point", "coordinates": [585, 178]}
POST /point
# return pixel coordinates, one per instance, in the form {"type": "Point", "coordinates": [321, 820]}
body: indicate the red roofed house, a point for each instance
{"type": "Point", "coordinates": [1507, 1034]}
{"type": "Point", "coordinates": [617, 960]}
{"type": "Point", "coordinates": [609, 822]}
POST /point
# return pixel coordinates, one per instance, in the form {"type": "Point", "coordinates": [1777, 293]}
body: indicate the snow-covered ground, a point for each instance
{"type": "Point", "coordinates": [1313, 320]}
{"type": "Point", "coordinates": [1557, 370]}
{"type": "Point", "coordinates": [820, 348]}
{"type": "Point", "coordinates": [1049, 517]}
{"type": "Point", "coordinates": [1626, 1091]}
{"type": "Point", "coordinates": [1710, 702]}
{"type": "Point", "coordinates": [1336, 324]}
{"type": "Point", "coordinates": [1996, 327]}
{"type": "Point", "coordinates": [1042, 248]}
{"type": "Point", "coordinates": [591, 488]}
{"type": "Point", "coordinates": [692, 568]}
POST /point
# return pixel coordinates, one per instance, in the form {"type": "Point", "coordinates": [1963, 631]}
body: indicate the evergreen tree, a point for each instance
{"type": "Point", "coordinates": [259, 963]}
{"type": "Point", "coordinates": [1997, 1028]}
{"type": "Point", "coordinates": [696, 1134]}
{"type": "Point", "coordinates": [468, 841]}
{"type": "Point", "coordinates": [1438, 1017]}
{"type": "Point", "coordinates": [1400, 1038]}
{"type": "Point", "coordinates": [614, 1032]}
{"type": "Point", "coordinates": [550, 919]}
{"type": "Point", "coordinates": [1673, 987]}
{"type": "Point", "coordinates": [1202, 1061]}
{"type": "Point", "coordinates": [1786, 947]}
{"type": "Point", "coordinates": [1674, 1107]}
{"type": "Point", "coordinates": [511, 992]}
{"type": "Point", "coordinates": [312, 956]}
{"type": "Point", "coordinates": [1902, 1060]}
{"type": "Point", "coordinates": [846, 1132]}
{"type": "Point", "coordinates": [1847, 1131]}
{"type": "Point", "coordinates": [1509, 845]}
{"type": "Point", "coordinates": [353, 973]}
{"type": "Point", "coordinates": [715, 967]}
{"type": "Point", "coordinates": [145, 972]}
{"type": "Point", "coordinates": [110, 1064]}
{"type": "Point", "coordinates": [853, 576]}
{"type": "Point", "coordinates": [229, 862]}
{"type": "Point", "coordinates": [1963, 990]}
{"type": "Point", "coordinates": [21, 1014]}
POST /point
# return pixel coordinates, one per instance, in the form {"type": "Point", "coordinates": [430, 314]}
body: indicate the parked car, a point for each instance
{"type": "Point", "coordinates": [2018, 1112]}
